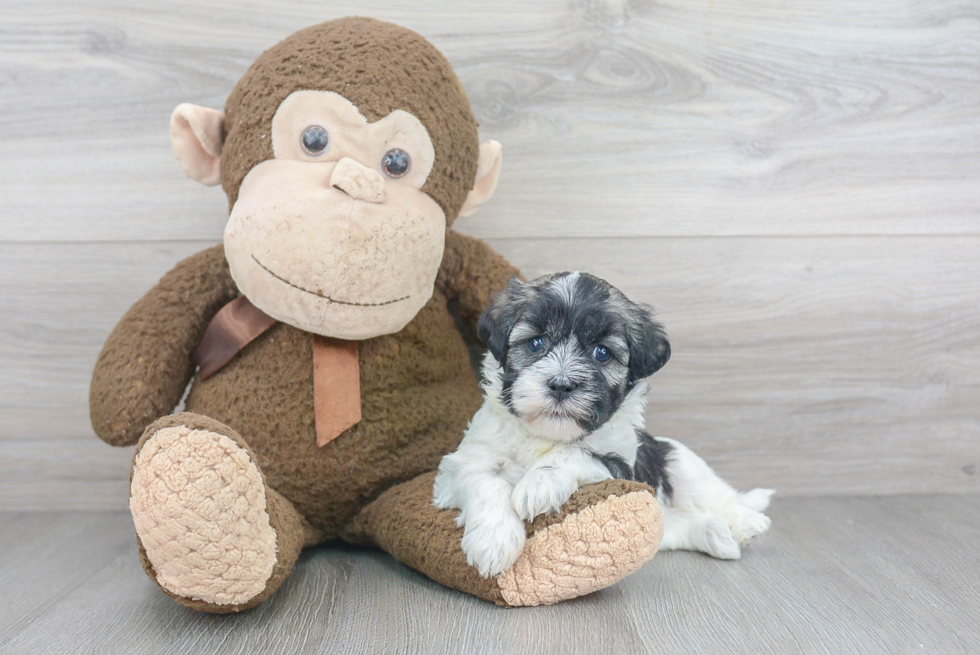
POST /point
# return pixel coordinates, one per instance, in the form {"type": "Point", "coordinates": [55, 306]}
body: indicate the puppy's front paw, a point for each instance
{"type": "Point", "coordinates": [492, 546]}
{"type": "Point", "coordinates": [541, 491]}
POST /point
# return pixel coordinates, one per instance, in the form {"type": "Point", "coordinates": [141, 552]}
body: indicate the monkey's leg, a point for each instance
{"type": "Point", "coordinates": [210, 532]}
{"type": "Point", "coordinates": [605, 532]}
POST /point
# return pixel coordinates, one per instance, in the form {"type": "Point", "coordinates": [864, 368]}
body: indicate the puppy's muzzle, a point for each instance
{"type": "Point", "coordinates": [561, 388]}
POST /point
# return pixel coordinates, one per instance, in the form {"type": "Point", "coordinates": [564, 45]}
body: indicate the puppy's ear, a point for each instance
{"type": "Point", "coordinates": [649, 348]}
{"type": "Point", "coordinates": [501, 316]}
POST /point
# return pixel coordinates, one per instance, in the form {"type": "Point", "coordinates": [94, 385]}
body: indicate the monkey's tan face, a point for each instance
{"type": "Point", "coordinates": [334, 235]}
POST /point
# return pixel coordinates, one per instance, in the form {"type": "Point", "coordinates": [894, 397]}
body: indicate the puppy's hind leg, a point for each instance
{"type": "Point", "coordinates": [748, 521]}
{"type": "Point", "coordinates": [707, 504]}
{"type": "Point", "coordinates": [700, 532]}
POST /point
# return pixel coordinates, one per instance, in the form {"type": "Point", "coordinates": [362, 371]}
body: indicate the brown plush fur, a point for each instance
{"type": "Point", "coordinates": [587, 497]}
{"type": "Point", "coordinates": [417, 387]}
{"type": "Point", "coordinates": [145, 364]}
{"type": "Point", "coordinates": [378, 66]}
{"type": "Point", "coordinates": [394, 521]}
{"type": "Point", "coordinates": [418, 392]}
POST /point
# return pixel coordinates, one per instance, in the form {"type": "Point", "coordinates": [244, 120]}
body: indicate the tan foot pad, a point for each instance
{"type": "Point", "coordinates": [587, 551]}
{"type": "Point", "coordinates": [199, 505]}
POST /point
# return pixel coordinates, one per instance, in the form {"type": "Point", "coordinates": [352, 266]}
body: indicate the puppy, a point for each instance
{"type": "Point", "coordinates": [564, 394]}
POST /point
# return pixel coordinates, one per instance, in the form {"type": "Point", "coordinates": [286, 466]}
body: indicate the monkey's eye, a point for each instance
{"type": "Point", "coordinates": [601, 354]}
{"type": "Point", "coordinates": [535, 344]}
{"type": "Point", "coordinates": [315, 140]}
{"type": "Point", "coordinates": [396, 163]}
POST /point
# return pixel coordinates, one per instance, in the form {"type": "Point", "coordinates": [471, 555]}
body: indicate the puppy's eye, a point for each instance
{"type": "Point", "coordinates": [315, 140]}
{"type": "Point", "coordinates": [601, 354]}
{"type": "Point", "coordinates": [535, 344]}
{"type": "Point", "coordinates": [396, 163]}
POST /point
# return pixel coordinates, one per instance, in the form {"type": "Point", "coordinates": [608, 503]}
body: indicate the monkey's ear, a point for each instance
{"type": "Point", "coordinates": [195, 137]}
{"type": "Point", "coordinates": [487, 175]}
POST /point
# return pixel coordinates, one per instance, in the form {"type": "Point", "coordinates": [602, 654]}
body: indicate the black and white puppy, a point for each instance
{"type": "Point", "coordinates": [564, 395]}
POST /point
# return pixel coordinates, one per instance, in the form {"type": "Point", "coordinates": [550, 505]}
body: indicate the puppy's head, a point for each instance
{"type": "Point", "coordinates": [569, 347]}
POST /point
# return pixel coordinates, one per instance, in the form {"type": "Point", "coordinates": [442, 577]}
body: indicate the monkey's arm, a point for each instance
{"type": "Point", "coordinates": [471, 273]}
{"type": "Point", "coordinates": [145, 364]}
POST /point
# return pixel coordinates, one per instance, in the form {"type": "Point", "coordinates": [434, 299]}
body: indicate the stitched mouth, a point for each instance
{"type": "Point", "coordinates": [320, 294]}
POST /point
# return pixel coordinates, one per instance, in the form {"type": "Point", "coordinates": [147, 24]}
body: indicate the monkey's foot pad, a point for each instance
{"type": "Point", "coordinates": [199, 505]}
{"type": "Point", "coordinates": [587, 551]}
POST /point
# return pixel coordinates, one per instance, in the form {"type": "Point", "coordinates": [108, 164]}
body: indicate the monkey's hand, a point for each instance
{"type": "Point", "coordinates": [145, 364]}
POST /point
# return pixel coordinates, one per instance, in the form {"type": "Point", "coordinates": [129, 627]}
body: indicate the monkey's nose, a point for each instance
{"type": "Point", "coordinates": [358, 181]}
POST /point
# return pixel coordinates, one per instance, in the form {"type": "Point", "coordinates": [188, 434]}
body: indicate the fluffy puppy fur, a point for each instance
{"type": "Point", "coordinates": [564, 395]}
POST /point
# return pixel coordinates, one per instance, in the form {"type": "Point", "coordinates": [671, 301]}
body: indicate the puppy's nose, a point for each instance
{"type": "Point", "coordinates": [358, 181]}
{"type": "Point", "coordinates": [561, 388]}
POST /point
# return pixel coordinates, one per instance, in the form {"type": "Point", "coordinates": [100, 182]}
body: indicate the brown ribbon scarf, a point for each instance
{"type": "Point", "coordinates": [336, 371]}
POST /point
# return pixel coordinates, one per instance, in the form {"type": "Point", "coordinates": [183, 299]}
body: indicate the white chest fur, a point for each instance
{"type": "Point", "coordinates": [503, 473]}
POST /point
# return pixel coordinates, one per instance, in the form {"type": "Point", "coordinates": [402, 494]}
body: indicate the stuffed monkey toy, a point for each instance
{"type": "Point", "coordinates": [326, 341]}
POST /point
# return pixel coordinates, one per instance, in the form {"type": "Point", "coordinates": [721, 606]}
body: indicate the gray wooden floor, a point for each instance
{"type": "Point", "coordinates": [897, 574]}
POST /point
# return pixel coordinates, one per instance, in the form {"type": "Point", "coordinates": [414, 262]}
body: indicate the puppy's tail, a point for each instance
{"type": "Point", "coordinates": [757, 499]}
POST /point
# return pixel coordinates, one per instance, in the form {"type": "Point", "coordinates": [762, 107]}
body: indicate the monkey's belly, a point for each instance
{"type": "Point", "coordinates": [417, 392]}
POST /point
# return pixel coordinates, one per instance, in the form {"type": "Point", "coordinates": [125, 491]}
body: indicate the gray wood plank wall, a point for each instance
{"type": "Point", "coordinates": [795, 186]}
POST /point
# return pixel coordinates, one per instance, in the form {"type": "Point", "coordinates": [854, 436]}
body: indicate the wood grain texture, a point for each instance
{"type": "Point", "coordinates": [812, 365]}
{"type": "Point", "coordinates": [46, 558]}
{"type": "Point", "coordinates": [617, 118]}
{"type": "Point", "coordinates": [835, 575]}
{"type": "Point", "coordinates": [793, 186]}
